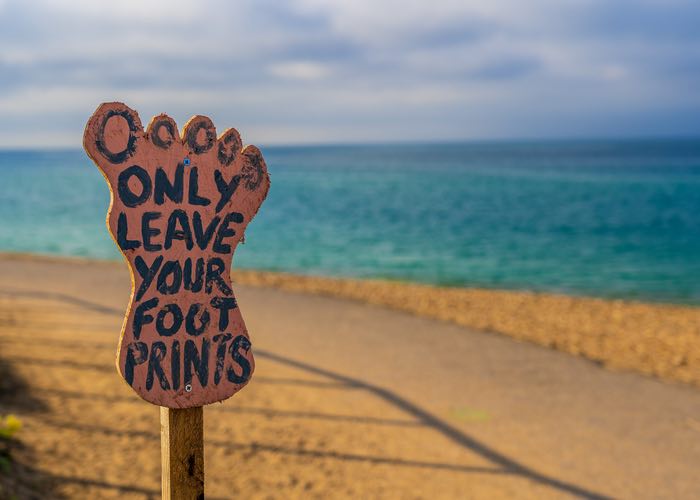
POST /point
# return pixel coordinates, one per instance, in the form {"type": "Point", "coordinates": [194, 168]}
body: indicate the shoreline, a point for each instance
{"type": "Point", "coordinates": [53, 257]}
{"type": "Point", "coordinates": [657, 339]}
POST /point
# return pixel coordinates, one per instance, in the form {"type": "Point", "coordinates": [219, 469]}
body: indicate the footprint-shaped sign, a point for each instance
{"type": "Point", "coordinates": [180, 205]}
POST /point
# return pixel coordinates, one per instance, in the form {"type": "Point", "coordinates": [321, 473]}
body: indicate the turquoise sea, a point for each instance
{"type": "Point", "coordinates": [610, 219]}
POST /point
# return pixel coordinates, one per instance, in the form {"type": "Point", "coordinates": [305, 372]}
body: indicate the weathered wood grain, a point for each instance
{"type": "Point", "coordinates": [182, 453]}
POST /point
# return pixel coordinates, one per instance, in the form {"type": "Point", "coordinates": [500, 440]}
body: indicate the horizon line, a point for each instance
{"type": "Point", "coordinates": [423, 142]}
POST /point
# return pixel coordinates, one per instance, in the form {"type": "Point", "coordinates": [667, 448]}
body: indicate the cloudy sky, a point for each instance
{"type": "Point", "coordinates": [309, 71]}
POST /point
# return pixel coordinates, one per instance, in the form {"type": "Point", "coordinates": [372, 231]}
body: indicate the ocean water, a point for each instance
{"type": "Point", "coordinates": [609, 219]}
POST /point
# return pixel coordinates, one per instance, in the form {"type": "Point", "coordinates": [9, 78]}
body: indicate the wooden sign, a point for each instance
{"type": "Point", "coordinates": [180, 206]}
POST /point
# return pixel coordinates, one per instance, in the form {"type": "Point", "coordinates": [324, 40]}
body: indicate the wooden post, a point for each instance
{"type": "Point", "coordinates": [182, 453]}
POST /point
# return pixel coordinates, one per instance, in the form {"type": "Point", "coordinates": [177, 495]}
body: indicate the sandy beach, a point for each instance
{"type": "Point", "coordinates": [363, 390]}
{"type": "Point", "coordinates": [657, 339]}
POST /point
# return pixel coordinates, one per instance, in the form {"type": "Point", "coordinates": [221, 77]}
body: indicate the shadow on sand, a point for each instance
{"type": "Point", "coordinates": [416, 416]}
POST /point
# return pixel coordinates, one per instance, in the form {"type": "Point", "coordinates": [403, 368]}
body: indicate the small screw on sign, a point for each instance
{"type": "Point", "coordinates": [186, 162]}
{"type": "Point", "coordinates": [188, 388]}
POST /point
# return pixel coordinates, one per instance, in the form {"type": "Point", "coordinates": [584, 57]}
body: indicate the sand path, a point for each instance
{"type": "Point", "coordinates": [348, 400]}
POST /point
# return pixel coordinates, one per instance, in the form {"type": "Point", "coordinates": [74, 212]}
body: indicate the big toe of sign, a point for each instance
{"type": "Point", "coordinates": [180, 205]}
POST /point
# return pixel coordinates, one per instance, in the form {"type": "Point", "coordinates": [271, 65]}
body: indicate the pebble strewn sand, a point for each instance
{"type": "Point", "coordinates": [656, 339]}
{"type": "Point", "coordinates": [350, 400]}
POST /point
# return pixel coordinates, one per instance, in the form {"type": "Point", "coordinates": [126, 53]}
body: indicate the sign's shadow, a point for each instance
{"type": "Point", "coordinates": [416, 416]}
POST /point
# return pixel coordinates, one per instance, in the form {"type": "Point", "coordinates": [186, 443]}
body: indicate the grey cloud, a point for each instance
{"type": "Point", "coordinates": [467, 73]}
{"type": "Point", "coordinates": [642, 20]}
{"type": "Point", "coordinates": [507, 68]}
